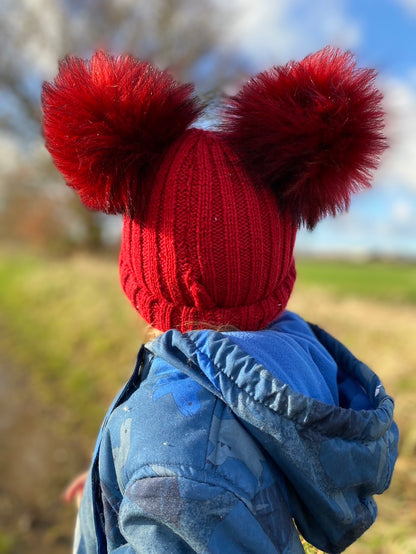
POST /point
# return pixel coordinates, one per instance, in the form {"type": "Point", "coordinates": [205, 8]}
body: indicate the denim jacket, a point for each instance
{"type": "Point", "coordinates": [232, 442]}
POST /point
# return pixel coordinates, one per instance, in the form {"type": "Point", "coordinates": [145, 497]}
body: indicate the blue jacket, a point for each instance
{"type": "Point", "coordinates": [220, 441]}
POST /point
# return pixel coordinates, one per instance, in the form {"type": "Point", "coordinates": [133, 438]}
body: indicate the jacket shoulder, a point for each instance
{"type": "Point", "coordinates": [173, 425]}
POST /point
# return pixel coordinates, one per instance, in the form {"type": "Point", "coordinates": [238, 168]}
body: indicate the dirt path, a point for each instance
{"type": "Point", "coordinates": [30, 505]}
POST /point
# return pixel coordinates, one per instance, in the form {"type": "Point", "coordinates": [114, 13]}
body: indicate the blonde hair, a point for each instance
{"type": "Point", "coordinates": [151, 333]}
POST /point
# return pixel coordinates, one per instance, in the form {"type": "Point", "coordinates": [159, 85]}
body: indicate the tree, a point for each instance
{"type": "Point", "coordinates": [176, 34]}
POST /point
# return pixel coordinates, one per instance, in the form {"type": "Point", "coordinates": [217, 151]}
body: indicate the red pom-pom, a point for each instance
{"type": "Point", "coordinates": [106, 122]}
{"type": "Point", "coordinates": [312, 130]}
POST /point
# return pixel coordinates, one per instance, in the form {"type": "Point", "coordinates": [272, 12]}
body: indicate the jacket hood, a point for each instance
{"type": "Point", "coordinates": [334, 457]}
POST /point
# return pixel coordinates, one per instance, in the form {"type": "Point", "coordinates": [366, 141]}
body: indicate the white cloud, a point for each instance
{"type": "Point", "coordinates": [408, 5]}
{"type": "Point", "coordinates": [269, 32]}
{"type": "Point", "coordinates": [391, 231]}
{"type": "Point", "coordinates": [399, 165]}
{"type": "Point", "coordinates": [402, 212]}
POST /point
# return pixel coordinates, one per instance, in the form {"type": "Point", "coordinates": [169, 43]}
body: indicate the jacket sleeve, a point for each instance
{"type": "Point", "coordinates": [178, 515]}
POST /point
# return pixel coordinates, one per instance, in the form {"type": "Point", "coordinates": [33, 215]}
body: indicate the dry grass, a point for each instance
{"type": "Point", "coordinates": [68, 340]}
{"type": "Point", "coordinates": [383, 336]}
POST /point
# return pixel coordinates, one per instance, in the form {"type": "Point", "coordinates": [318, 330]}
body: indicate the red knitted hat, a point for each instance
{"type": "Point", "coordinates": [212, 248]}
{"type": "Point", "coordinates": [210, 217]}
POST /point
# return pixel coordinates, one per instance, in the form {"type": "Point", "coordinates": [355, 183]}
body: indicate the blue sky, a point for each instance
{"type": "Point", "coordinates": [382, 34]}
{"type": "Point", "coordinates": [262, 33]}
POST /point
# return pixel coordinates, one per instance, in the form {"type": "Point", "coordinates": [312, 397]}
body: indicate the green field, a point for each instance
{"type": "Point", "coordinates": [388, 282]}
{"type": "Point", "coordinates": [69, 339]}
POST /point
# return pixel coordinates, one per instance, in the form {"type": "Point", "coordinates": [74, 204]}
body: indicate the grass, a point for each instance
{"type": "Point", "coordinates": [389, 282]}
{"type": "Point", "coordinates": [66, 313]}
{"type": "Point", "coordinates": [68, 340]}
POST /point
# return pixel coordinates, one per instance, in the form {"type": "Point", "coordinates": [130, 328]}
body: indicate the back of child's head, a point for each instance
{"type": "Point", "coordinates": [210, 216]}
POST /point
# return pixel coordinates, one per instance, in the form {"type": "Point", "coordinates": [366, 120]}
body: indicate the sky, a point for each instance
{"type": "Point", "coordinates": [382, 35]}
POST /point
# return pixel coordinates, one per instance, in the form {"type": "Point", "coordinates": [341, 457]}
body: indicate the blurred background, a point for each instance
{"type": "Point", "coordinates": [68, 338]}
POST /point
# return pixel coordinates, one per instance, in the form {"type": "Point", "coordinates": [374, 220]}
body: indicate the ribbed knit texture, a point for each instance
{"type": "Point", "coordinates": [211, 217]}
{"type": "Point", "coordinates": [212, 248]}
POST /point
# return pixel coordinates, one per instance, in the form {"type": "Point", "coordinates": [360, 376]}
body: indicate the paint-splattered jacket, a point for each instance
{"type": "Point", "coordinates": [220, 441]}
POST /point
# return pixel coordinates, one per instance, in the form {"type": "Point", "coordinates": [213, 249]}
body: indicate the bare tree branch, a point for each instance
{"type": "Point", "coordinates": [177, 34]}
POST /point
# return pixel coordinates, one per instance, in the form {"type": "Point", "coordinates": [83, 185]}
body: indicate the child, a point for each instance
{"type": "Point", "coordinates": [241, 422]}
